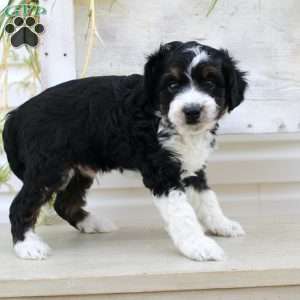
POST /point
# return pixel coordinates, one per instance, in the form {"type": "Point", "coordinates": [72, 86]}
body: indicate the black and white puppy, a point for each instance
{"type": "Point", "coordinates": [161, 124]}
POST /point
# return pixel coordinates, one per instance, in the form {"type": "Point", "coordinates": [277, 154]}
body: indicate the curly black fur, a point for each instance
{"type": "Point", "coordinates": [102, 123]}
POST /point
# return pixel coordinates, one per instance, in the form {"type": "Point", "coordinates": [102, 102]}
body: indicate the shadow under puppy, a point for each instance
{"type": "Point", "coordinates": [161, 124]}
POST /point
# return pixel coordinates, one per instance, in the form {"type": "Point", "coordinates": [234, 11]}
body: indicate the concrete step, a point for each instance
{"type": "Point", "coordinates": [139, 261]}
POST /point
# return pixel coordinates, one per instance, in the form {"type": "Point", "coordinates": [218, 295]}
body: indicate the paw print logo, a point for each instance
{"type": "Point", "coordinates": [24, 31]}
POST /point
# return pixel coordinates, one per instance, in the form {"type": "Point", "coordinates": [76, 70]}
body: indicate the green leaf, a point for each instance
{"type": "Point", "coordinates": [4, 174]}
{"type": "Point", "coordinates": [211, 7]}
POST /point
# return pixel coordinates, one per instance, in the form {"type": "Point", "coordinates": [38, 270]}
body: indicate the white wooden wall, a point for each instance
{"type": "Point", "coordinates": [57, 49]}
{"type": "Point", "coordinates": [263, 35]}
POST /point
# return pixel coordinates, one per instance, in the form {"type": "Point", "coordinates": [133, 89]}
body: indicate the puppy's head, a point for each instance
{"type": "Point", "coordinates": [193, 85]}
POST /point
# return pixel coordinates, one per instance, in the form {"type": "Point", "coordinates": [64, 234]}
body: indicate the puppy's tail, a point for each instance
{"type": "Point", "coordinates": [10, 135]}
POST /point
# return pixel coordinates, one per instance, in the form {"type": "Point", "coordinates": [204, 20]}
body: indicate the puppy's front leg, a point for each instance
{"type": "Point", "coordinates": [161, 174]}
{"type": "Point", "coordinates": [184, 228]}
{"type": "Point", "coordinates": [205, 203]}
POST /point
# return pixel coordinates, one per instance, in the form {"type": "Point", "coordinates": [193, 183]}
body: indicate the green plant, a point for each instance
{"type": "Point", "coordinates": [211, 7]}
{"type": "Point", "coordinates": [92, 32]}
{"type": "Point", "coordinates": [9, 56]}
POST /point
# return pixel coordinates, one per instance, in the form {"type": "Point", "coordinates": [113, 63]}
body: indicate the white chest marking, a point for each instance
{"type": "Point", "coordinates": [191, 150]}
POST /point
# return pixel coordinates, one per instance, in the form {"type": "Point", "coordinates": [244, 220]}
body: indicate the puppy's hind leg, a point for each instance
{"type": "Point", "coordinates": [24, 211]}
{"type": "Point", "coordinates": [69, 205]}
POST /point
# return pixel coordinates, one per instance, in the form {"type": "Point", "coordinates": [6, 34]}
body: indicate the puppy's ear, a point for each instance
{"type": "Point", "coordinates": [235, 81]}
{"type": "Point", "coordinates": [154, 67]}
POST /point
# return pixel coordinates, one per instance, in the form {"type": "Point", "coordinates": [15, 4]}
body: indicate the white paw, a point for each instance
{"type": "Point", "coordinates": [224, 227]}
{"type": "Point", "coordinates": [32, 247]}
{"type": "Point", "coordinates": [93, 224]}
{"type": "Point", "coordinates": [201, 249]}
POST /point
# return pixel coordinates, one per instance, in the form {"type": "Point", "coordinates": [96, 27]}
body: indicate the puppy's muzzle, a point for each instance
{"type": "Point", "coordinates": [192, 113]}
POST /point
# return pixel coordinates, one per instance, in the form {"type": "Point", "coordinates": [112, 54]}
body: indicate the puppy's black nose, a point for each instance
{"type": "Point", "coordinates": [192, 113]}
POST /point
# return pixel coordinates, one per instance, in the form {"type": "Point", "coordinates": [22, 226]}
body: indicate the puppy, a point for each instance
{"type": "Point", "coordinates": [162, 125]}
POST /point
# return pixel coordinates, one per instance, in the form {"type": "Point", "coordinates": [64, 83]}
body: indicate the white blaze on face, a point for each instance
{"type": "Point", "coordinates": [200, 56]}
{"type": "Point", "coordinates": [192, 96]}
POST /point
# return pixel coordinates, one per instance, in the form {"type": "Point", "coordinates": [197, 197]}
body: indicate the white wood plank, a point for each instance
{"type": "Point", "coordinates": [257, 117]}
{"type": "Point", "coordinates": [57, 49]}
{"type": "Point", "coordinates": [263, 35]}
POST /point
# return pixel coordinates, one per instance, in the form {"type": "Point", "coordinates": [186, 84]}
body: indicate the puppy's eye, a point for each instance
{"type": "Point", "coordinates": [210, 85]}
{"type": "Point", "coordinates": [173, 86]}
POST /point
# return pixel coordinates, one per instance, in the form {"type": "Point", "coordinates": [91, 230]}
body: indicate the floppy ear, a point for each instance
{"type": "Point", "coordinates": [235, 81]}
{"type": "Point", "coordinates": [154, 67]}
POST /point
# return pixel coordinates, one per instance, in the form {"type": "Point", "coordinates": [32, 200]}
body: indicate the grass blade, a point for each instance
{"type": "Point", "coordinates": [211, 7]}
